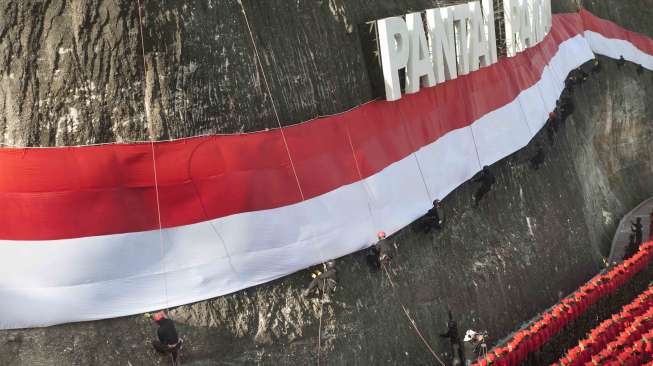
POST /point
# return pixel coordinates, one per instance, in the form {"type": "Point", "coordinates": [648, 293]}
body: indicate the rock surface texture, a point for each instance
{"type": "Point", "coordinates": [71, 72]}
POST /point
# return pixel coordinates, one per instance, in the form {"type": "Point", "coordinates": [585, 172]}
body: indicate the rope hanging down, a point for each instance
{"type": "Point", "coordinates": [158, 215]}
{"type": "Point", "coordinates": [421, 173]}
{"type": "Point", "coordinates": [410, 319]}
{"type": "Point", "coordinates": [478, 156]}
{"type": "Point", "coordinates": [292, 164]}
{"type": "Point", "coordinates": [206, 214]}
{"type": "Point", "coordinates": [360, 175]}
{"type": "Point", "coordinates": [319, 329]}
{"type": "Point", "coordinates": [156, 179]}
{"type": "Point", "coordinates": [274, 108]}
{"type": "Point", "coordinates": [419, 165]}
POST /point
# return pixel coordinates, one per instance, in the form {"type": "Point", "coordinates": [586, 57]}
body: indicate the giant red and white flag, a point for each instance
{"type": "Point", "coordinates": [79, 226]}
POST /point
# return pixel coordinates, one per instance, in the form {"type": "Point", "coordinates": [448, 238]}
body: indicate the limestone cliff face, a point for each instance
{"type": "Point", "coordinates": [75, 72]}
{"type": "Point", "coordinates": [71, 73]}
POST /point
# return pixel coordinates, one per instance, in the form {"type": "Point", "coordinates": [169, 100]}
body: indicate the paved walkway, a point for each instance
{"type": "Point", "coordinates": [621, 237]}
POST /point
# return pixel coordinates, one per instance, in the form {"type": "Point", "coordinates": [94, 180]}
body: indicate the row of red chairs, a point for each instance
{"type": "Point", "coordinates": [551, 322]}
{"type": "Point", "coordinates": [615, 334]}
{"type": "Point", "coordinates": [639, 353]}
{"type": "Point", "coordinates": [625, 351]}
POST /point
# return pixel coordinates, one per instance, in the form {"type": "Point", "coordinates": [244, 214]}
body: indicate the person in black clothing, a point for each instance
{"type": "Point", "coordinates": [168, 341]}
{"type": "Point", "coordinates": [565, 96]}
{"type": "Point", "coordinates": [550, 132]}
{"type": "Point", "coordinates": [640, 70]}
{"type": "Point", "coordinates": [487, 179]}
{"type": "Point", "coordinates": [432, 218]}
{"type": "Point", "coordinates": [596, 66]}
{"type": "Point", "coordinates": [324, 281]}
{"type": "Point", "coordinates": [566, 109]}
{"type": "Point", "coordinates": [570, 82]}
{"type": "Point", "coordinates": [636, 227]}
{"type": "Point", "coordinates": [372, 258]}
{"type": "Point", "coordinates": [454, 340]}
{"type": "Point", "coordinates": [621, 61]}
{"type": "Point", "coordinates": [631, 249]}
{"type": "Point", "coordinates": [538, 159]}
{"type": "Point", "coordinates": [379, 254]}
{"type": "Point", "coordinates": [552, 126]}
{"type": "Point", "coordinates": [383, 248]}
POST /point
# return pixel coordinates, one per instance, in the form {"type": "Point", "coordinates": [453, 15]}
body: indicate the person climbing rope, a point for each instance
{"type": "Point", "coordinates": [379, 253]}
{"type": "Point", "coordinates": [621, 61]}
{"type": "Point", "coordinates": [454, 341]}
{"type": "Point", "coordinates": [565, 96]}
{"type": "Point", "coordinates": [570, 82]}
{"type": "Point", "coordinates": [372, 259]}
{"type": "Point", "coordinates": [596, 66]}
{"type": "Point", "coordinates": [324, 281]}
{"type": "Point", "coordinates": [566, 109]}
{"type": "Point", "coordinates": [168, 342]}
{"type": "Point", "coordinates": [636, 227]}
{"type": "Point", "coordinates": [564, 106]}
{"type": "Point", "coordinates": [538, 159]}
{"type": "Point", "coordinates": [552, 126]}
{"type": "Point", "coordinates": [432, 218]}
{"type": "Point", "coordinates": [383, 248]}
{"type": "Point", "coordinates": [487, 179]}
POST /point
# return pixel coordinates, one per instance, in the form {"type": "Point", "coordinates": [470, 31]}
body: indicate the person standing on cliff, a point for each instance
{"type": "Point", "coordinates": [487, 179]}
{"type": "Point", "coordinates": [631, 248]}
{"type": "Point", "coordinates": [636, 227]}
{"type": "Point", "coordinates": [168, 342]}
{"type": "Point", "coordinates": [454, 341]}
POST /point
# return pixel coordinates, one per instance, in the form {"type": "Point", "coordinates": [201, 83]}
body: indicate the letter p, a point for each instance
{"type": "Point", "coordinates": [394, 48]}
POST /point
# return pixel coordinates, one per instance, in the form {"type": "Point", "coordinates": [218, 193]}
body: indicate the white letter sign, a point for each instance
{"type": "Point", "coordinates": [393, 44]}
{"type": "Point", "coordinates": [458, 39]}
